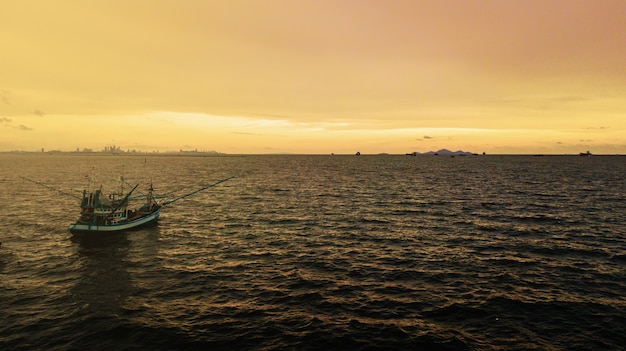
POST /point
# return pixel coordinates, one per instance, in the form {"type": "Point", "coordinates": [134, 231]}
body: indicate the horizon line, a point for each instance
{"type": "Point", "coordinates": [217, 154]}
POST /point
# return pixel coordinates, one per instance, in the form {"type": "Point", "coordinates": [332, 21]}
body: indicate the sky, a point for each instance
{"type": "Point", "coordinates": [314, 76]}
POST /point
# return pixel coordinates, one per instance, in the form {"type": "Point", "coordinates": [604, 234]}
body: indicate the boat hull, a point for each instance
{"type": "Point", "coordinates": [88, 228]}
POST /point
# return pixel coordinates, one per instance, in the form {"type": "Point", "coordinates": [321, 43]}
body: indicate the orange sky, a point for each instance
{"type": "Point", "coordinates": [274, 76]}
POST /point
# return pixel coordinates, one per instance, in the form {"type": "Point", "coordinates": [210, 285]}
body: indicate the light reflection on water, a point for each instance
{"type": "Point", "coordinates": [340, 252]}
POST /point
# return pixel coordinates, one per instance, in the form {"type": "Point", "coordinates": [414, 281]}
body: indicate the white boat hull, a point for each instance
{"type": "Point", "coordinates": [111, 228]}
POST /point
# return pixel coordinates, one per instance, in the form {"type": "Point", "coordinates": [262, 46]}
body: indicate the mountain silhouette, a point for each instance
{"type": "Point", "coordinates": [445, 152]}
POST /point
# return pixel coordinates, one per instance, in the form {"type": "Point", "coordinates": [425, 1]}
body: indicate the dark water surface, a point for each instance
{"type": "Point", "coordinates": [321, 253]}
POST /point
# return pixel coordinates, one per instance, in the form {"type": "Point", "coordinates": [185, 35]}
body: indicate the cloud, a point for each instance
{"type": "Point", "coordinates": [425, 137]}
{"type": "Point", "coordinates": [7, 122]}
{"type": "Point", "coordinates": [569, 98]}
{"type": "Point", "coordinates": [39, 113]}
{"type": "Point", "coordinates": [244, 133]}
{"type": "Point", "coordinates": [4, 97]}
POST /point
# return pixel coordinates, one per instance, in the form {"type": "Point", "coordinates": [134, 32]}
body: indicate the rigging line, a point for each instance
{"type": "Point", "coordinates": [51, 188]}
{"type": "Point", "coordinates": [196, 191]}
{"type": "Point", "coordinates": [123, 202]}
{"type": "Point", "coordinates": [140, 193]}
{"type": "Point", "coordinates": [177, 190]}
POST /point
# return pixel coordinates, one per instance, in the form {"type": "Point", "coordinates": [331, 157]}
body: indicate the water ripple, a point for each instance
{"type": "Point", "coordinates": [320, 252]}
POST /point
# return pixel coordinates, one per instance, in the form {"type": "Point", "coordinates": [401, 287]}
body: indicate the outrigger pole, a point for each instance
{"type": "Point", "coordinates": [175, 191]}
{"type": "Point", "coordinates": [196, 191]}
{"type": "Point", "coordinates": [51, 188]}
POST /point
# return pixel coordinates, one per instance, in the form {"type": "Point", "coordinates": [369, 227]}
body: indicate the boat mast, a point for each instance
{"type": "Point", "coordinates": [122, 182]}
{"type": "Point", "coordinates": [91, 180]}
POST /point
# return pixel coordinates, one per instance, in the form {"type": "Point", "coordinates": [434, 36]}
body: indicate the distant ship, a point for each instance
{"type": "Point", "coordinates": [585, 153]}
{"type": "Point", "coordinates": [100, 214]}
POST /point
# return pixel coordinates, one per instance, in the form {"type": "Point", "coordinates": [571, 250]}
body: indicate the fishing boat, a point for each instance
{"type": "Point", "coordinates": [101, 214]}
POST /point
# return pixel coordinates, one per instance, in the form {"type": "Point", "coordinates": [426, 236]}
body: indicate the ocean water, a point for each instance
{"type": "Point", "coordinates": [321, 253]}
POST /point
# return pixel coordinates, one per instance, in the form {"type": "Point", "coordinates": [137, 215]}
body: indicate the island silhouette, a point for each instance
{"type": "Point", "coordinates": [443, 152]}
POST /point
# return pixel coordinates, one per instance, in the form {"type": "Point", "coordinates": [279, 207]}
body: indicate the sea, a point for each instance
{"type": "Point", "coordinates": [319, 252]}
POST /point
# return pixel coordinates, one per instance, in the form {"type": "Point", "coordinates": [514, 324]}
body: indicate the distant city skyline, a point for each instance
{"type": "Point", "coordinates": [314, 77]}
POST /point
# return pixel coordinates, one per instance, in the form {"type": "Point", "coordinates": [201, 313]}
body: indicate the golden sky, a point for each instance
{"type": "Point", "coordinates": [314, 76]}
